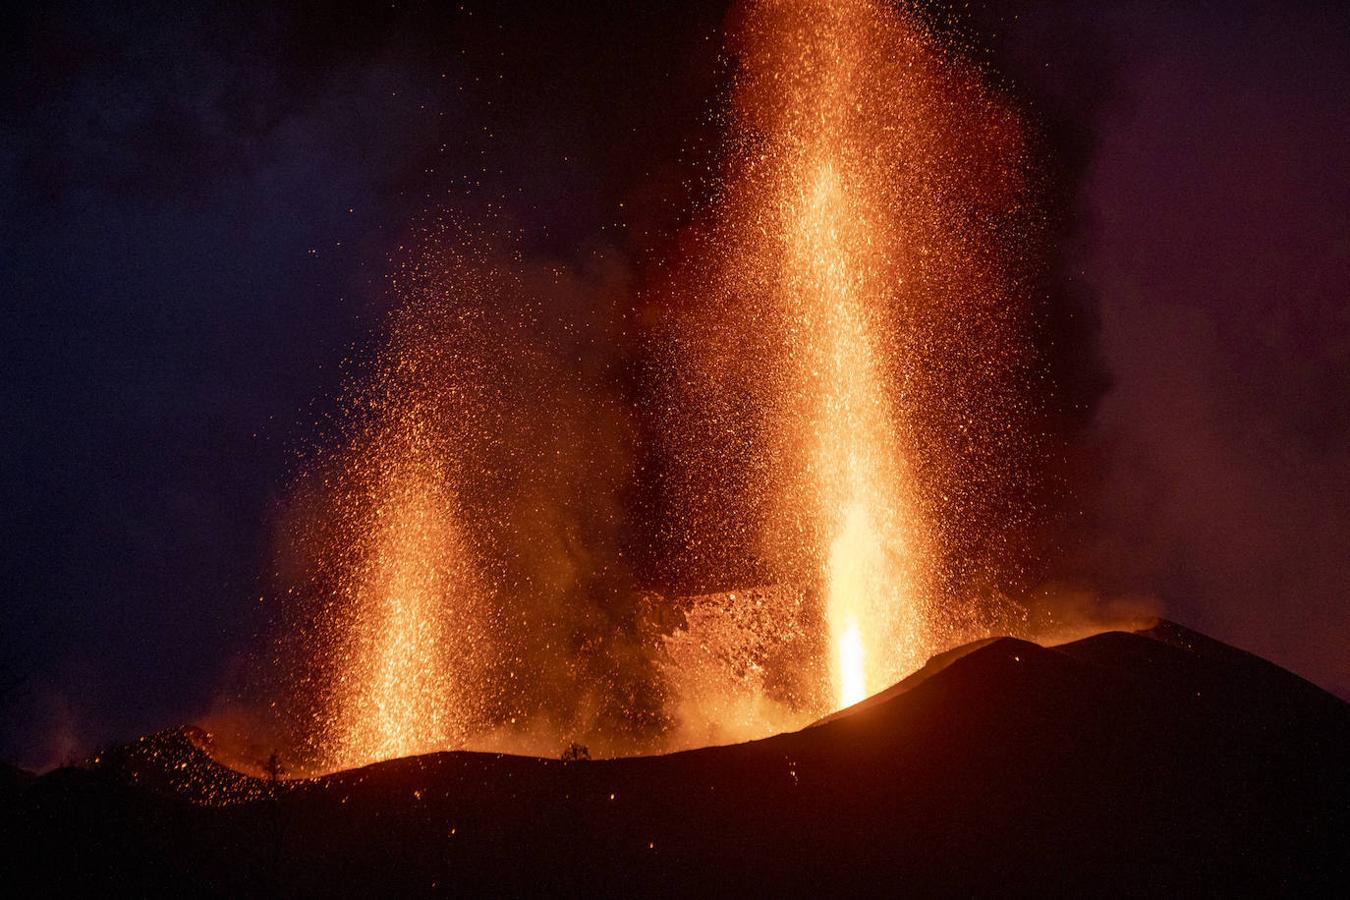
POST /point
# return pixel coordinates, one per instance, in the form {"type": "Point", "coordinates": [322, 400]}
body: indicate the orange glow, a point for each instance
{"type": "Point", "coordinates": [848, 358]}
{"type": "Point", "coordinates": [851, 663]}
{"type": "Point", "coordinates": [855, 464]}
{"type": "Point", "coordinates": [398, 642]}
{"type": "Point", "coordinates": [408, 643]}
{"type": "Point", "coordinates": [403, 680]}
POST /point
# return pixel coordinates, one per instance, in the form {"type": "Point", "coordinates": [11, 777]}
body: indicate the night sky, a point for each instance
{"type": "Point", "coordinates": [199, 207]}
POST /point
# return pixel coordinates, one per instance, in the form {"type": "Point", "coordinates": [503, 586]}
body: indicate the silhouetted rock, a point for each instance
{"type": "Point", "coordinates": [1157, 761]}
{"type": "Point", "coordinates": [13, 780]}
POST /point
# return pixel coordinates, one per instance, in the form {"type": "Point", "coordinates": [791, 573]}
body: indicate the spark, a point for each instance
{"type": "Point", "coordinates": [845, 382]}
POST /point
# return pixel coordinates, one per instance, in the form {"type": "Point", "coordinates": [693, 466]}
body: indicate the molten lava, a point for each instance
{"type": "Point", "coordinates": [392, 594]}
{"type": "Point", "coordinates": [855, 464]}
{"type": "Point", "coordinates": [842, 387]}
{"type": "Point", "coordinates": [405, 668]}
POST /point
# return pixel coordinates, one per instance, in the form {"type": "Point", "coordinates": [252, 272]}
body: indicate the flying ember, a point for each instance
{"type": "Point", "coordinates": [847, 374]}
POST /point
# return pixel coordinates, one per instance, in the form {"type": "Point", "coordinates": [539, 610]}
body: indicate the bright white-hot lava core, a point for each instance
{"type": "Point", "coordinates": [855, 464]}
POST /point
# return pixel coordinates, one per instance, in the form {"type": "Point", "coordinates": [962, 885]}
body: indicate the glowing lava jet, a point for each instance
{"type": "Point", "coordinates": [855, 463]}
{"type": "Point", "coordinates": [403, 693]}
{"type": "Point", "coordinates": [848, 354]}
{"type": "Point", "coordinates": [390, 591]}
{"type": "Point", "coordinates": [837, 251]}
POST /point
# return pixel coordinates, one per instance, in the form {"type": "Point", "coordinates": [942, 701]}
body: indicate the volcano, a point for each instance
{"type": "Point", "coordinates": [1155, 759]}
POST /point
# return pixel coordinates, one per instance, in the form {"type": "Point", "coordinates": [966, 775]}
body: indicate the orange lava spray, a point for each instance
{"type": "Point", "coordinates": [847, 352]}
{"type": "Point", "coordinates": [839, 362]}
{"type": "Point", "coordinates": [403, 687]}
{"type": "Point", "coordinates": [828, 216]}
{"type": "Point", "coordinates": [860, 509]}
{"type": "Point", "coordinates": [394, 598]}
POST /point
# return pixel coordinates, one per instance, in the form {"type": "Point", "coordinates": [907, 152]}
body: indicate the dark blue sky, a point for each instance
{"type": "Point", "coordinates": [198, 207]}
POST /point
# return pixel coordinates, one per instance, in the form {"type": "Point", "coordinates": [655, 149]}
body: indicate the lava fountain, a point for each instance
{"type": "Point", "coordinates": [402, 683]}
{"type": "Point", "coordinates": [843, 390]}
{"type": "Point", "coordinates": [837, 246]}
{"type": "Point", "coordinates": [860, 505]}
{"type": "Point", "coordinates": [390, 592]}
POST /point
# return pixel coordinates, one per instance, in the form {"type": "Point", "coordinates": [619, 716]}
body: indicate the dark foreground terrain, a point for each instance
{"type": "Point", "coordinates": [1156, 761]}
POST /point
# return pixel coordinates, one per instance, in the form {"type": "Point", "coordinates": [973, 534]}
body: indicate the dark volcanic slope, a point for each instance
{"type": "Point", "coordinates": [1156, 761]}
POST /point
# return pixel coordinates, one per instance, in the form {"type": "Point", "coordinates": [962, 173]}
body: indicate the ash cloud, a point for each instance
{"type": "Point", "coordinates": [1221, 265]}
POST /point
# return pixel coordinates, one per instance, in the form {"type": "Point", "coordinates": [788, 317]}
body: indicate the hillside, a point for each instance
{"type": "Point", "coordinates": [1157, 760]}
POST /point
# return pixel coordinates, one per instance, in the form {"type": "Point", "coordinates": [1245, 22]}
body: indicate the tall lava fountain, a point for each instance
{"type": "Point", "coordinates": [396, 637]}
{"type": "Point", "coordinates": [843, 409]}
{"type": "Point", "coordinates": [861, 510]}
